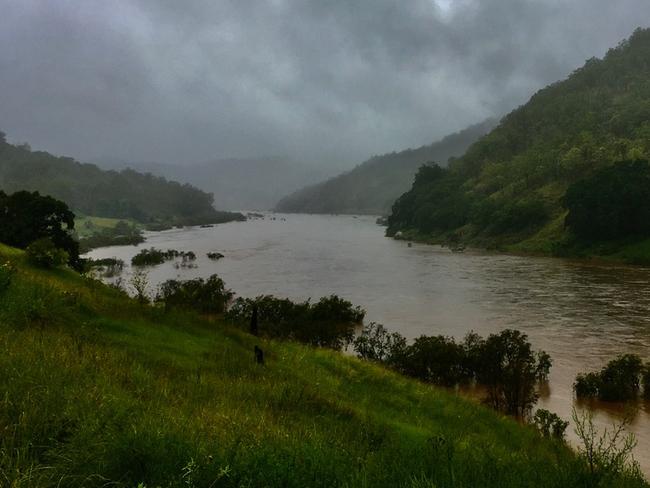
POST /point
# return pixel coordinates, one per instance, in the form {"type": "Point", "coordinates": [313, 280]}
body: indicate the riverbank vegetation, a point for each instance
{"type": "Point", "coordinates": [517, 187]}
{"type": "Point", "coordinates": [89, 190]}
{"type": "Point", "coordinates": [99, 389]}
{"type": "Point", "coordinates": [620, 380]}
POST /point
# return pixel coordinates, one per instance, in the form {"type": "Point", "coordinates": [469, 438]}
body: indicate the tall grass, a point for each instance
{"type": "Point", "coordinates": [97, 390]}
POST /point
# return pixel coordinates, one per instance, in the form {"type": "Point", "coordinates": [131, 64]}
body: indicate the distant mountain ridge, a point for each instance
{"type": "Point", "coordinates": [90, 190]}
{"type": "Point", "coordinates": [373, 186]}
{"type": "Point", "coordinates": [237, 183]}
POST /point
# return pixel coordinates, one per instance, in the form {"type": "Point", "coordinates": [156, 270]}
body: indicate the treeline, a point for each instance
{"type": "Point", "coordinates": [512, 183]}
{"type": "Point", "coordinates": [373, 186]}
{"type": "Point", "coordinates": [87, 189]}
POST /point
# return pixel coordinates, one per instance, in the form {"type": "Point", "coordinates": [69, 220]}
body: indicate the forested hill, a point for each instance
{"type": "Point", "coordinates": [509, 188]}
{"type": "Point", "coordinates": [373, 186]}
{"type": "Point", "coordinates": [92, 191]}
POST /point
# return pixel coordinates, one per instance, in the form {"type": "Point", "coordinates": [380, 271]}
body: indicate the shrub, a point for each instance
{"type": "Point", "coordinates": [42, 252]}
{"type": "Point", "coordinates": [153, 256]}
{"type": "Point", "coordinates": [550, 424]}
{"type": "Point", "coordinates": [619, 380]}
{"type": "Point", "coordinates": [587, 385]}
{"type": "Point", "coordinates": [204, 296]}
{"type": "Point", "coordinates": [375, 343]}
{"type": "Point", "coordinates": [108, 267]}
{"type": "Point", "coordinates": [439, 360]}
{"type": "Point", "coordinates": [328, 323]}
{"type": "Point", "coordinates": [511, 371]}
{"type": "Point", "coordinates": [646, 381]}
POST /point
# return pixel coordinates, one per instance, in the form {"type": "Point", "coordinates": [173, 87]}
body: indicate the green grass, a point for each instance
{"type": "Point", "coordinates": [86, 225]}
{"type": "Point", "coordinates": [96, 390]}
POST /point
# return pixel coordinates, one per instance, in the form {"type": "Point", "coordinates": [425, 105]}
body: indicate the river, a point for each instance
{"type": "Point", "coordinates": [583, 314]}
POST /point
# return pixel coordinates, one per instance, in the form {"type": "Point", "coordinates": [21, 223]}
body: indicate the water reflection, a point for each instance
{"type": "Point", "coordinates": [582, 314]}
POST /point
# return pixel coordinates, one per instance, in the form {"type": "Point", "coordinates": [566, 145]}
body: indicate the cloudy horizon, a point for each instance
{"type": "Point", "coordinates": [325, 82]}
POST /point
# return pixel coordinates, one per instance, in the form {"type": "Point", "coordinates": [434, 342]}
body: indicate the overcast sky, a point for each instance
{"type": "Point", "coordinates": [324, 81]}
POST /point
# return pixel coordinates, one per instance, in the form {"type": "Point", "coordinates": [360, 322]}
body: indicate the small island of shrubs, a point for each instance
{"type": "Point", "coordinates": [619, 381]}
{"type": "Point", "coordinates": [153, 256]}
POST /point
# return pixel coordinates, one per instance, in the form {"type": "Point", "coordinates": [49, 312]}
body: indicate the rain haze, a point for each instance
{"type": "Point", "coordinates": [321, 82]}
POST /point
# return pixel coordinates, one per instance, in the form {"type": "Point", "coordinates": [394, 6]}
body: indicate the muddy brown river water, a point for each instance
{"type": "Point", "coordinates": [582, 314]}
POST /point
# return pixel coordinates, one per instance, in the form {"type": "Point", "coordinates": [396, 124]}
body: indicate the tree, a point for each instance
{"type": "Point", "coordinates": [511, 371]}
{"type": "Point", "coordinates": [28, 216]}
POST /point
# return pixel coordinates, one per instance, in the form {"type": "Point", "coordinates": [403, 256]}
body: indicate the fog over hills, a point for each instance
{"type": "Point", "coordinates": [237, 183]}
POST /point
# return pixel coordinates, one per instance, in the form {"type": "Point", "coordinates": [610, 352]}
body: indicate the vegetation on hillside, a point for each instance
{"type": "Point", "coordinates": [509, 188]}
{"type": "Point", "coordinates": [100, 390]}
{"type": "Point", "coordinates": [373, 186]}
{"type": "Point", "coordinates": [92, 191]}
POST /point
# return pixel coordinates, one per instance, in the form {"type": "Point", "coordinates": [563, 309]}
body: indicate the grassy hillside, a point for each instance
{"type": "Point", "coordinates": [92, 191]}
{"type": "Point", "coordinates": [97, 390]}
{"type": "Point", "coordinates": [373, 186]}
{"type": "Point", "coordinates": [507, 190]}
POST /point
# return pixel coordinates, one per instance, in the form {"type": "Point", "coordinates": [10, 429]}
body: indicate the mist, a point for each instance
{"type": "Point", "coordinates": [320, 82]}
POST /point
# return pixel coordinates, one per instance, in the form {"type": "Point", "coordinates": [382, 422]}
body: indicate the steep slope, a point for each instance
{"type": "Point", "coordinates": [92, 191]}
{"type": "Point", "coordinates": [508, 188]}
{"type": "Point", "coordinates": [238, 184]}
{"type": "Point", "coordinates": [98, 390]}
{"type": "Point", "coordinates": [373, 186]}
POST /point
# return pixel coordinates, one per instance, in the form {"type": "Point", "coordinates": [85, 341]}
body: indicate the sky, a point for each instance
{"type": "Point", "coordinates": [328, 82]}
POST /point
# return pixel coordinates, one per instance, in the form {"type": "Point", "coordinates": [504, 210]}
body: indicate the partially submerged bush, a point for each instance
{"type": "Point", "coordinates": [328, 323]}
{"type": "Point", "coordinates": [504, 363]}
{"type": "Point", "coordinates": [153, 256]}
{"type": "Point", "coordinates": [205, 296]}
{"type": "Point", "coordinates": [619, 380]}
{"type": "Point", "coordinates": [44, 253]}
{"type": "Point", "coordinates": [108, 267]}
{"type": "Point", "coordinates": [215, 256]}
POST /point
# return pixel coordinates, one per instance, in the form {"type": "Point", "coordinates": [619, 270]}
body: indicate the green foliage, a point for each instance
{"type": "Point", "coordinates": [613, 203]}
{"type": "Point", "coordinates": [619, 380]}
{"type": "Point", "coordinates": [330, 322]}
{"type": "Point", "coordinates": [153, 256]}
{"type": "Point", "coordinates": [509, 186]}
{"type": "Point", "coordinates": [112, 393]}
{"type": "Point", "coordinates": [204, 296]}
{"type": "Point", "coordinates": [373, 186]}
{"type": "Point", "coordinates": [375, 343]}
{"type": "Point", "coordinates": [503, 363]}
{"type": "Point", "coordinates": [510, 371]}
{"type": "Point", "coordinates": [27, 217]}
{"type": "Point", "coordinates": [92, 191]}
{"type": "Point", "coordinates": [550, 424]}
{"type": "Point", "coordinates": [42, 252]}
{"type": "Point", "coordinates": [123, 234]}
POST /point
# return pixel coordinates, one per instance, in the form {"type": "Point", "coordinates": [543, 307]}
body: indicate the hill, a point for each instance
{"type": "Point", "coordinates": [508, 190]}
{"type": "Point", "coordinates": [99, 390]}
{"type": "Point", "coordinates": [373, 186]}
{"type": "Point", "coordinates": [89, 190]}
{"type": "Point", "coordinates": [237, 184]}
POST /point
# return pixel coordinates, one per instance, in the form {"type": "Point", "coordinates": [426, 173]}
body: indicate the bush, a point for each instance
{"type": "Point", "coordinates": [511, 371]}
{"type": "Point", "coordinates": [439, 360]}
{"type": "Point", "coordinates": [504, 363]}
{"type": "Point", "coordinates": [619, 380]}
{"type": "Point", "coordinates": [205, 296]}
{"type": "Point", "coordinates": [153, 256]}
{"type": "Point", "coordinates": [108, 267]}
{"type": "Point", "coordinates": [328, 323]}
{"type": "Point", "coordinates": [646, 381]}
{"type": "Point", "coordinates": [375, 343]}
{"type": "Point", "coordinates": [42, 252]}
{"type": "Point", "coordinates": [550, 424]}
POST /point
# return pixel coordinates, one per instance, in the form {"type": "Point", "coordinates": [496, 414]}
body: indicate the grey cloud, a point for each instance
{"type": "Point", "coordinates": [326, 81]}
